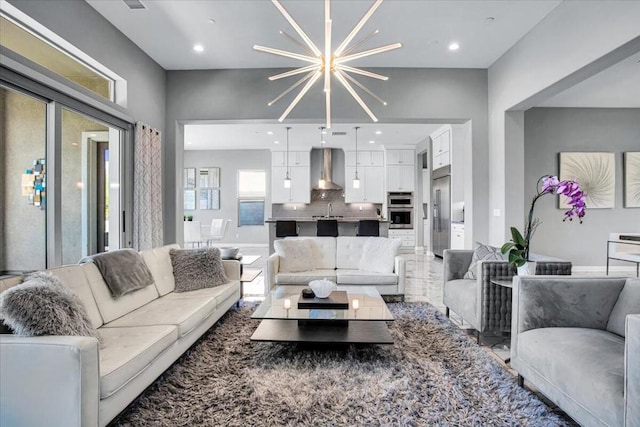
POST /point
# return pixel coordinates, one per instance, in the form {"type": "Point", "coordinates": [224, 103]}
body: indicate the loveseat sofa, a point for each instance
{"type": "Point", "coordinates": [577, 340]}
{"type": "Point", "coordinates": [75, 381]}
{"type": "Point", "coordinates": [338, 260]}
{"type": "Point", "coordinates": [481, 303]}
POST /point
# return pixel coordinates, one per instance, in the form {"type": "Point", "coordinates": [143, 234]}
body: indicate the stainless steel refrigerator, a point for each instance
{"type": "Point", "coordinates": [441, 218]}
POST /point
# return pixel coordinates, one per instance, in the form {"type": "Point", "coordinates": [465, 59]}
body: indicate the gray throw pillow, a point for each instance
{"type": "Point", "coordinates": [42, 305]}
{"type": "Point", "coordinates": [195, 269]}
{"type": "Point", "coordinates": [483, 253]}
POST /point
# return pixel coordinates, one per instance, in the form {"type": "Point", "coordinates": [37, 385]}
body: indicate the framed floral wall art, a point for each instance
{"type": "Point", "coordinates": [596, 175]}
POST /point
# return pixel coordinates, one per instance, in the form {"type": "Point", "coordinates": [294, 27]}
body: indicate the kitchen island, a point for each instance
{"type": "Point", "coordinates": [307, 226]}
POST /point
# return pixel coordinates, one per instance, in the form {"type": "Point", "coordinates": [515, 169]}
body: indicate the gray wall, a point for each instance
{"type": "Point", "coordinates": [549, 131]}
{"type": "Point", "coordinates": [229, 161]}
{"type": "Point", "coordinates": [426, 95]}
{"type": "Point", "coordinates": [81, 25]}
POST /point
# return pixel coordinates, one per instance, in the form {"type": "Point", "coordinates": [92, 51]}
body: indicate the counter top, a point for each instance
{"type": "Point", "coordinates": [308, 219]}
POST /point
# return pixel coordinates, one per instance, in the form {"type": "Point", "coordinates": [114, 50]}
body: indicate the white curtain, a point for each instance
{"type": "Point", "coordinates": [147, 188]}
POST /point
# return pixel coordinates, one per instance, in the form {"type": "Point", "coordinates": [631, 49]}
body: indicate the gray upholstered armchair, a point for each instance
{"type": "Point", "coordinates": [484, 305]}
{"type": "Point", "coordinates": [577, 340]}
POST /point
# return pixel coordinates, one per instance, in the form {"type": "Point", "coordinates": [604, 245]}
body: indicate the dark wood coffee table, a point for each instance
{"type": "Point", "coordinates": [365, 325]}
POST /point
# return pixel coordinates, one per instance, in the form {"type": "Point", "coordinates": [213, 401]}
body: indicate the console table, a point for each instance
{"type": "Point", "coordinates": [632, 242]}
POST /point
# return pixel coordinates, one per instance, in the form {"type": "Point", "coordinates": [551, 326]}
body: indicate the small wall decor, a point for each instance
{"type": "Point", "coordinates": [210, 178]}
{"type": "Point", "coordinates": [34, 184]}
{"type": "Point", "coordinates": [596, 174]}
{"type": "Point", "coordinates": [189, 177]}
{"type": "Point", "coordinates": [632, 179]}
{"type": "Point", "coordinates": [189, 200]}
{"type": "Point", "coordinates": [209, 198]}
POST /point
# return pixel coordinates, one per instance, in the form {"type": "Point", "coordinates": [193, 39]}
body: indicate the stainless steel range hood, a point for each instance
{"type": "Point", "coordinates": [326, 168]}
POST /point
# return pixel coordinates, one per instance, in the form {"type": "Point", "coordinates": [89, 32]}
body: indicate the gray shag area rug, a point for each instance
{"type": "Point", "coordinates": [433, 375]}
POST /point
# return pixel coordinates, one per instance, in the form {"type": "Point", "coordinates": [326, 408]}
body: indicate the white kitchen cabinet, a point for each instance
{"type": "Point", "coordinates": [400, 157]}
{"type": "Point", "coordinates": [278, 158]}
{"type": "Point", "coordinates": [371, 185]}
{"type": "Point", "coordinates": [407, 236]}
{"type": "Point", "coordinates": [400, 178]}
{"type": "Point", "coordinates": [365, 158]}
{"type": "Point", "coordinates": [300, 191]}
{"type": "Point", "coordinates": [441, 148]}
{"type": "Point", "coordinates": [442, 159]}
{"type": "Point", "coordinates": [457, 236]}
{"type": "Point", "coordinates": [296, 158]}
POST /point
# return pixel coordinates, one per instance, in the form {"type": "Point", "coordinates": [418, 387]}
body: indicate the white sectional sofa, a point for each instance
{"type": "Point", "coordinates": [337, 259]}
{"type": "Point", "coordinates": [72, 380]}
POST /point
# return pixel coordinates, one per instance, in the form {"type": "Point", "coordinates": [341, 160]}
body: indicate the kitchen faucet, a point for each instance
{"type": "Point", "coordinates": [329, 210]}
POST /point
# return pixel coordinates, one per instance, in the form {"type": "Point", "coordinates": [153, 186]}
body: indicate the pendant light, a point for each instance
{"type": "Point", "coordinates": [287, 180]}
{"type": "Point", "coordinates": [356, 180]}
{"type": "Point", "coordinates": [321, 181]}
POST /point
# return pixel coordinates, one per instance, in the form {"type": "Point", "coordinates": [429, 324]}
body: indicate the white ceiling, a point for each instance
{"type": "Point", "coordinates": [167, 30]}
{"type": "Point", "coordinates": [302, 136]}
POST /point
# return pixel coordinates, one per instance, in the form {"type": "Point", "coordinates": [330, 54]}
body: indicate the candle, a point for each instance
{"type": "Point", "coordinates": [287, 304]}
{"type": "Point", "coordinates": [356, 304]}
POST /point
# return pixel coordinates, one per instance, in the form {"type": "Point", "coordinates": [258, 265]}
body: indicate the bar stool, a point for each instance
{"type": "Point", "coordinates": [368, 227]}
{"type": "Point", "coordinates": [327, 227]}
{"type": "Point", "coordinates": [286, 228]}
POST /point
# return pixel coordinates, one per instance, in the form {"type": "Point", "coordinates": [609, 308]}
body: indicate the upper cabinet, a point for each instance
{"type": "Point", "coordinates": [299, 173]}
{"type": "Point", "coordinates": [370, 166]}
{"type": "Point", "coordinates": [365, 158]}
{"type": "Point", "coordinates": [401, 157]}
{"type": "Point", "coordinates": [441, 147]}
{"type": "Point", "coordinates": [400, 169]}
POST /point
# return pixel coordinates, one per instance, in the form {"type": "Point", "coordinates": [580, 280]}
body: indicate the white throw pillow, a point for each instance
{"type": "Point", "coordinates": [378, 254]}
{"type": "Point", "coordinates": [295, 255]}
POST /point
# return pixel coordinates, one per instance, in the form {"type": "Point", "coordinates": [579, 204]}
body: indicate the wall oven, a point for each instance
{"type": "Point", "coordinates": [400, 200]}
{"type": "Point", "coordinates": [400, 217]}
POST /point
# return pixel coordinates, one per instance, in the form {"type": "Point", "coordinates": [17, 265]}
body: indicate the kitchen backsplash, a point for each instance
{"type": "Point", "coordinates": [319, 206]}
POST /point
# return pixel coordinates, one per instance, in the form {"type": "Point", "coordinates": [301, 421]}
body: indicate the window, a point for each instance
{"type": "Point", "coordinates": [43, 52]}
{"type": "Point", "coordinates": [251, 197]}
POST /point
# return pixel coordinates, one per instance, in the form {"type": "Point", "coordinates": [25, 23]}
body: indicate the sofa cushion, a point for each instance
{"type": "Point", "coordinates": [323, 251]}
{"type": "Point", "coordinates": [159, 263]}
{"type": "Point", "coordinates": [378, 254]}
{"type": "Point", "coordinates": [198, 268]}
{"type": "Point", "coordinates": [42, 305]}
{"type": "Point", "coordinates": [360, 277]}
{"type": "Point", "coordinates": [349, 251]}
{"type": "Point", "coordinates": [295, 255]}
{"type": "Point", "coordinates": [574, 360]}
{"type": "Point", "coordinates": [482, 253]}
{"type": "Point", "coordinates": [184, 311]}
{"type": "Point", "coordinates": [304, 277]}
{"type": "Point", "coordinates": [461, 296]}
{"type": "Point", "coordinates": [110, 307]}
{"type": "Point", "coordinates": [219, 293]}
{"type": "Point", "coordinates": [73, 277]}
{"type": "Point", "coordinates": [628, 303]}
{"type": "Point", "coordinates": [128, 351]}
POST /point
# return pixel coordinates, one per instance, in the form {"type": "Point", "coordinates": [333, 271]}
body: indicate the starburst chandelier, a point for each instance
{"type": "Point", "coordinates": [327, 63]}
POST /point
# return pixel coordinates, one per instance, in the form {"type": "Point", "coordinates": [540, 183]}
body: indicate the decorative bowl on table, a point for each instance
{"type": "Point", "coordinates": [228, 252]}
{"type": "Point", "coordinates": [322, 288]}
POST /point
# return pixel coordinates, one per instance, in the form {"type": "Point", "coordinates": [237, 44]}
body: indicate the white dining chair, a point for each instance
{"type": "Point", "coordinates": [192, 234]}
{"type": "Point", "coordinates": [218, 230]}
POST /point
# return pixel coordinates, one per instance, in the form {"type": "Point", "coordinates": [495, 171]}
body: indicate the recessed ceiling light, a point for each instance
{"type": "Point", "coordinates": [198, 48]}
{"type": "Point", "coordinates": [211, 21]}
{"type": "Point", "coordinates": [269, 133]}
{"type": "Point", "coordinates": [454, 46]}
{"type": "Point", "coordinates": [490, 19]}
{"type": "Point", "coordinates": [372, 142]}
{"type": "Point", "coordinates": [189, 143]}
{"type": "Point", "coordinates": [323, 142]}
{"type": "Point", "coordinates": [276, 142]}
{"type": "Point", "coordinates": [378, 132]}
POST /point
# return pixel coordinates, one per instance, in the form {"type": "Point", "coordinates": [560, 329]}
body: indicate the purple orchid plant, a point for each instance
{"type": "Point", "coordinates": [518, 247]}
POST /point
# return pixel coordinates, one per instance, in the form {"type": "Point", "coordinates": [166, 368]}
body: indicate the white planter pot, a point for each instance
{"type": "Point", "coordinates": [528, 269]}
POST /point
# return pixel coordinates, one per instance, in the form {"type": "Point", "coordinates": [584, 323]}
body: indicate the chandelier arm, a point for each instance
{"type": "Point", "coordinates": [340, 76]}
{"type": "Point", "coordinates": [287, 54]}
{"type": "Point", "coordinates": [361, 86]}
{"type": "Point", "coordinates": [362, 72]}
{"type": "Point", "coordinates": [357, 28]}
{"type": "Point", "coordinates": [303, 46]}
{"type": "Point", "coordinates": [327, 45]}
{"type": "Point", "coordinates": [296, 27]}
{"type": "Point", "coordinates": [292, 87]}
{"type": "Point", "coordinates": [294, 72]}
{"type": "Point", "coordinates": [360, 43]}
{"type": "Point", "coordinates": [369, 52]}
{"type": "Point", "coordinates": [302, 93]}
